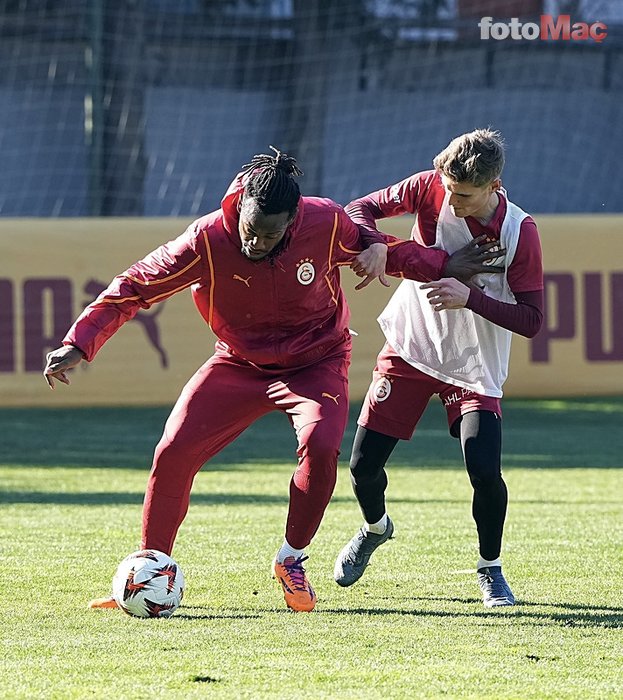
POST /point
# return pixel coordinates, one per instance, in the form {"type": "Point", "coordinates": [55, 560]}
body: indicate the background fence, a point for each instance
{"type": "Point", "coordinates": [148, 107]}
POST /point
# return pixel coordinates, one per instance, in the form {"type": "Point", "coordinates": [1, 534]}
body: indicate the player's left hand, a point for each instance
{"type": "Point", "coordinates": [447, 293]}
{"type": "Point", "coordinates": [370, 264]}
{"type": "Point", "coordinates": [59, 361]}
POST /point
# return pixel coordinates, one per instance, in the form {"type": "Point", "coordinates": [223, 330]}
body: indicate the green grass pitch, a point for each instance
{"type": "Point", "coordinates": [72, 483]}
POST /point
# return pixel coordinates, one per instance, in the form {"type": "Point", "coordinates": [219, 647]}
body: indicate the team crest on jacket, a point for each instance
{"type": "Point", "coordinates": [381, 389]}
{"type": "Point", "coordinates": [305, 272]}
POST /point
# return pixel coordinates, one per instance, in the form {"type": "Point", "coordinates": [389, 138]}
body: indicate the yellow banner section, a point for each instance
{"type": "Point", "coordinates": [50, 270]}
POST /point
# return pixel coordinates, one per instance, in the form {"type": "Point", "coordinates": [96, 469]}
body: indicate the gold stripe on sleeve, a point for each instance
{"type": "Point", "coordinates": [108, 300]}
{"type": "Point", "coordinates": [172, 291]}
{"type": "Point", "coordinates": [212, 280]}
{"type": "Point", "coordinates": [150, 300]}
{"type": "Point", "coordinates": [332, 240]}
{"type": "Point", "coordinates": [151, 283]}
{"type": "Point", "coordinates": [348, 250]}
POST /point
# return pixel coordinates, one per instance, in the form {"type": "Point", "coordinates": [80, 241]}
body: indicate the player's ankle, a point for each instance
{"type": "Point", "coordinates": [377, 528]}
{"type": "Point", "coordinates": [486, 563]}
{"type": "Point", "coordinates": [286, 550]}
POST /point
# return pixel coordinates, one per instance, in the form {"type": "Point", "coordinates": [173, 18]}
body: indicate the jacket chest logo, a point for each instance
{"type": "Point", "coordinates": [305, 272]}
{"type": "Point", "coordinates": [244, 280]}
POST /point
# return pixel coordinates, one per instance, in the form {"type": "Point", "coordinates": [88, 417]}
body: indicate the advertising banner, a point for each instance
{"type": "Point", "coordinates": [51, 269]}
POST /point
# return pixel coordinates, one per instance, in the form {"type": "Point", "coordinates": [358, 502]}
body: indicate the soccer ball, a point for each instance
{"type": "Point", "coordinates": [148, 583]}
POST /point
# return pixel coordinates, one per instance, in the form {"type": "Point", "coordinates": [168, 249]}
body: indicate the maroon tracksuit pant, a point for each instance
{"type": "Point", "coordinates": [223, 398]}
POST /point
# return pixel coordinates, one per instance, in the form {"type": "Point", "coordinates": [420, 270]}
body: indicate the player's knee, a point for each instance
{"type": "Point", "coordinates": [318, 453]}
{"type": "Point", "coordinates": [173, 458]}
{"type": "Point", "coordinates": [364, 468]}
{"type": "Point", "coordinates": [369, 455]}
{"type": "Point", "coordinates": [166, 448]}
{"type": "Point", "coordinates": [319, 441]}
{"type": "Point", "coordinates": [484, 476]}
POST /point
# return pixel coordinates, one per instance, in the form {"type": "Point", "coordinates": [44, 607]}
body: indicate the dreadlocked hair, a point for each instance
{"type": "Point", "coordinates": [270, 182]}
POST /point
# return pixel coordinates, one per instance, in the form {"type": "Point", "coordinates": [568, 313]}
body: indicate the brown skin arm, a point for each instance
{"type": "Point", "coordinates": [471, 259]}
{"type": "Point", "coordinates": [59, 361]}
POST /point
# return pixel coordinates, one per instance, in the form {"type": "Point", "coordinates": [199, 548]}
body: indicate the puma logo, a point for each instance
{"type": "Point", "coordinates": [333, 398]}
{"type": "Point", "coordinates": [242, 279]}
{"type": "Point", "coordinates": [148, 319]}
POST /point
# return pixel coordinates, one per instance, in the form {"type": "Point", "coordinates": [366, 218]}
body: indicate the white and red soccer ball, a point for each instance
{"type": "Point", "coordinates": [148, 583]}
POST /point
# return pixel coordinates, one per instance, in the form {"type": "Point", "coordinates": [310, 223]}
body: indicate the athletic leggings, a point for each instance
{"type": "Point", "coordinates": [480, 433]}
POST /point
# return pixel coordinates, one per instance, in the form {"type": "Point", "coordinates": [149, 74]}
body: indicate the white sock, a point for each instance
{"type": "Point", "coordinates": [483, 563]}
{"type": "Point", "coordinates": [288, 551]}
{"type": "Point", "coordinates": [377, 528]}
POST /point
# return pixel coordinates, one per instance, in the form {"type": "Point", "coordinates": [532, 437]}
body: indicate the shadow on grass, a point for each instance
{"type": "Point", "coordinates": [571, 615]}
{"type": "Point", "coordinates": [215, 616]}
{"type": "Point", "coordinates": [533, 603]}
{"type": "Point", "coordinates": [537, 433]}
{"type": "Point", "coordinates": [106, 498]}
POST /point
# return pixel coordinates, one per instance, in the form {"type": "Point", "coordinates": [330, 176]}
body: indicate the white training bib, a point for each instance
{"type": "Point", "coordinates": [456, 345]}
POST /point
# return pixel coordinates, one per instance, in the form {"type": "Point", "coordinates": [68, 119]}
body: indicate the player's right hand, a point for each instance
{"type": "Point", "coordinates": [370, 263]}
{"type": "Point", "coordinates": [59, 361]}
{"type": "Point", "coordinates": [473, 259]}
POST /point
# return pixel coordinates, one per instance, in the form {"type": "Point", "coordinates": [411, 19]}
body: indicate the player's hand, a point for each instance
{"type": "Point", "coordinates": [59, 361]}
{"type": "Point", "coordinates": [473, 259]}
{"type": "Point", "coordinates": [447, 293]}
{"type": "Point", "coordinates": [370, 264]}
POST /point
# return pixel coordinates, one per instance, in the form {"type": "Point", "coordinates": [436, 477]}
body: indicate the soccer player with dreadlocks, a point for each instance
{"type": "Point", "coordinates": [264, 273]}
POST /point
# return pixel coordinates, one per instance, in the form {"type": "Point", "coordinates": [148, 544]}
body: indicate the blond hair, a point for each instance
{"type": "Point", "coordinates": [476, 158]}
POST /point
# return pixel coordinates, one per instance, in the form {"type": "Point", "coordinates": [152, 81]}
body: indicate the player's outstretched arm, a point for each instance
{"type": "Point", "coordinates": [167, 270]}
{"type": "Point", "coordinates": [59, 361]}
{"type": "Point", "coordinates": [411, 260]}
{"type": "Point", "coordinates": [368, 263]}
